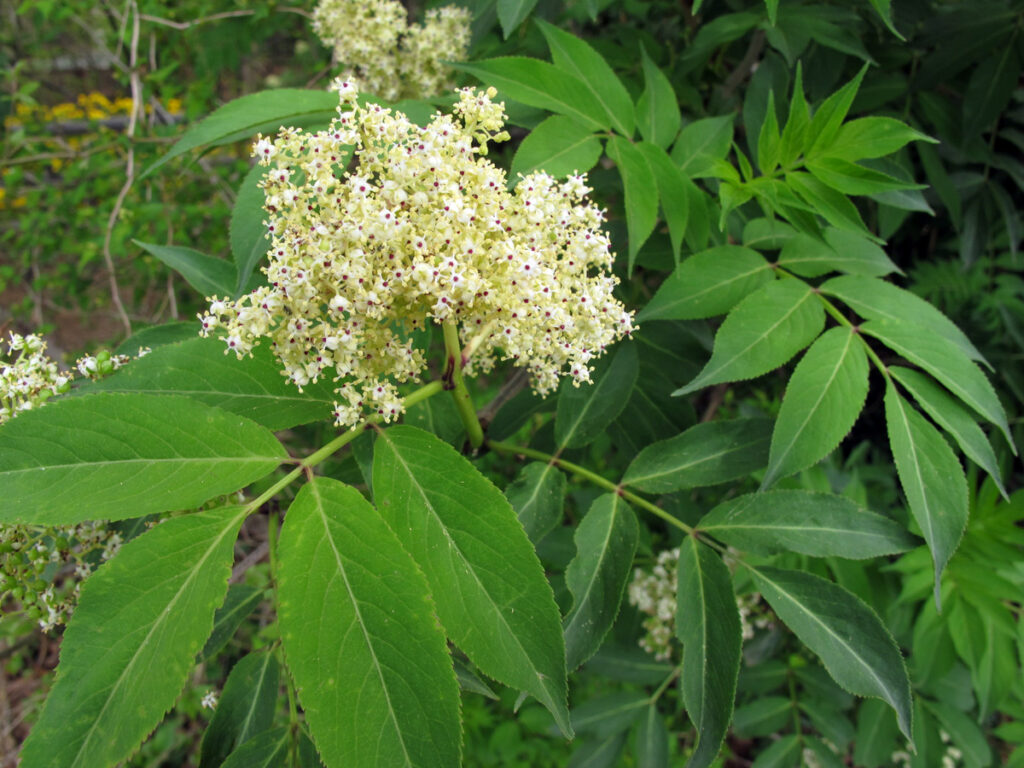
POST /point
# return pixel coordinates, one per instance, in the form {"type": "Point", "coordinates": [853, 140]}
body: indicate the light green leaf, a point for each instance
{"type": "Point", "coordinates": [208, 275]}
{"type": "Point", "coordinates": [606, 541]}
{"type": "Point", "coordinates": [701, 144]}
{"type": "Point", "coordinates": [198, 369]}
{"type": "Point", "coordinates": [132, 640]}
{"type": "Point", "coordinates": [815, 524]}
{"type": "Point", "coordinates": [367, 656]}
{"type": "Point", "coordinates": [852, 179]}
{"type": "Point", "coordinates": [946, 362]}
{"type": "Point", "coordinates": [512, 12]}
{"type": "Point", "coordinates": [439, 416]}
{"type": "Point", "coordinates": [575, 56]}
{"type": "Point", "coordinates": [869, 137]}
{"type": "Point", "coordinates": [488, 585]}
{"type": "Point", "coordinates": [708, 624]}
{"type": "Point", "coordinates": [841, 251]}
{"type": "Point", "coordinates": [879, 300]}
{"type": "Point", "coordinates": [965, 734]}
{"type": "Point", "coordinates": [158, 335]}
{"type": "Point", "coordinates": [772, 6]}
{"type": "Point", "coordinates": [652, 740]}
{"type": "Point", "coordinates": [833, 206]}
{"type": "Point", "coordinates": [114, 456]}
{"type": "Point", "coordinates": [641, 192]}
{"type": "Point", "coordinates": [470, 681]}
{"type": "Point", "coordinates": [247, 232]}
{"type": "Point", "coordinates": [539, 84]}
{"type": "Point", "coordinates": [856, 648]}
{"type": "Point", "coordinates": [824, 397]}
{"type": "Point", "coordinates": [876, 735]}
{"type": "Point", "coordinates": [265, 111]}
{"type": "Point", "coordinates": [781, 753]}
{"type": "Point", "coordinates": [706, 454]}
{"type": "Point", "coordinates": [884, 10]}
{"type": "Point", "coordinates": [244, 708]}
{"type": "Point", "coordinates": [932, 479]}
{"type": "Point", "coordinates": [949, 414]}
{"type": "Point", "coordinates": [828, 118]}
{"type": "Point", "coordinates": [585, 411]}
{"type": "Point", "coordinates": [241, 601]}
{"type": "Point", "coordinates": [657, 110]}
{"type": "Point", "coordinates": [560, 146]}
{"type": "Point", "coordinates": [707, 284]}
{"type": "Point", "coordinates": [675, 191]}
{"type": "Point", "coordinates": [266, 750]}
{"type": "Point", "coordinates": [794, 135]}
{"type": "Point", "coordinates": [761, 333]}
{"type": "Point", "coordinates": [537, 495]}
{"type": "Point", "coordinates": [769, 141]}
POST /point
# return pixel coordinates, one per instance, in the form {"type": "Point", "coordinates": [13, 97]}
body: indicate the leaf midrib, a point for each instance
{"type": "Point", "coordinates": [120, 462]}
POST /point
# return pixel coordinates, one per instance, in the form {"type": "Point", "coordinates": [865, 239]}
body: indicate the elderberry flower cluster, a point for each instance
{"type": "Point", "coordinates": [389, 57]}
{"type": "Point", "coordinates": [378, 226]}
{"type": "Point", "coordinates": [42, 567]}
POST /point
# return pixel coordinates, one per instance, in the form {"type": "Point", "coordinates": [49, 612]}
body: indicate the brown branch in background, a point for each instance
{"type": "Point", "coordinates": [509, 389]}
{"type": "Point", "coordinates": [715, 400]}
{"type": "Point", "coordinates": [746, 66]}
{"type": "Point", "coordinates": [183, 25]}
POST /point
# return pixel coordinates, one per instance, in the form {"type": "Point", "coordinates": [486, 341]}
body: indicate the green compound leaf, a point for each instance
{"type": "Point", "coordinates": [828, 118]}
{"type": "Point", "coordinates": [841, 251]}
{"type": "Point", "coordinates": [488, 585]}
{"type": "Point", "coordinates": [932, 479]}
{"type": "Point", "coordinates": [944, 360]}
{"type": "Point", "coordinates": [707, 454]}
{"type": "Point", "coordinates": [537, 495]}
{"type": "Point", "coordinates": [606, 541]}
{"type": "Point", "coordinates": [856, 648]}
{"type": "Point", "coordinates": [815, 524]}
{"type": "Point", "coordinates": [701, 144]}
{"type": "Point", "coordinates": [539, 84]}
{"type": "Point", "coordinates": [247, 232]}
{"type": "Point", "coordinates": [879, 300]}
{"type": "Point", "coordinates": [824, 397]}
{"type": "Point", "coordinates": [761, 333]}
{"type": "Point", "coordinates": [511, 14]}
{"type": "Point", "coordinates": [113, 456]}
{"type": "Point", "coordinates": [208, 275]}
{"type": "Point", "coordinates": [641, 192]}
{"type": "Point", "coordinates": [953, 417]}
{"type": "Point", "coordinates": [245, 707]}
{"type": "Point", "coordinates": [657, 110]}
{"type": "Point", "coordinates": [560, 146]}
{"type": "Point", "coordinates": [707, 284]}
{"type": "Point", "coordinates": [132, 641]}
{"type": "Point", "coordinates": [675, 190]}
{"type": "Point", "coordinates": [708, 624]}
{"type": "Point", "coordinates": [359, 633]}
{"type": "Point", "coordinates": [198, 369]}
{"type": "Point", "coordinates": [241, 601]}
{"type": "Point", "coordinates": [252, 114]}
{"type": "Point", "coordinates": [574, 56]}
{"type": "Point", "coordinates": [266, 750]}
{"type": "Point", "coordinates": [584, 412]}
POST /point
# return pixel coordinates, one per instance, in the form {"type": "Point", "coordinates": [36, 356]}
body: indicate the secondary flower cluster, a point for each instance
{"type": "Point", "coordinates": [421, 227]}
{"type": "Point", "coordinates": [387, 56]}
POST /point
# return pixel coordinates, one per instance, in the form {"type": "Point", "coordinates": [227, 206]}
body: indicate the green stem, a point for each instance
{"type": "Point", "coordinates": [664, 685]}
{"type": "Point", "coordinates": [454, 383]}
{"type": "Point", "coordinates": [594, 478]}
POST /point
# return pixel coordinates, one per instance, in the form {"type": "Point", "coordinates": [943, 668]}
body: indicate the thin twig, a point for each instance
{"type": "Point", "coordinates": [247, 562]}
{"type": "Point", "coordinates": [183, 25]}
{"type": "Point", "coordinates": [745, 68]}
{"type": "Point", "coordinates": [516, 383]}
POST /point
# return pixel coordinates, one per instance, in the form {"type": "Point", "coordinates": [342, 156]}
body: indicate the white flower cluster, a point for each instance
{"type": "Point", "coordinates": [420, 227]}
{"type": "Point", "coordinates": [951, 758]}
{"type": "Point", "coordinates": [654, 593]}
{"type": "Point", "coordinates": [28, 376]}
{"type": "Point", "coordinates": [754, 614]}
{"type": "Point", "coordinates": [387, 56]}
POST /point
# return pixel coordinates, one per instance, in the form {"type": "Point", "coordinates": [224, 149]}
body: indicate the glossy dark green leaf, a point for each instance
{"type": "Point", "coordinates": [200, 370]}
{"type": "Point", "coordinates": [816, 524]}
{"type": "Point", "coordinates": [856, 648]}
{"type": "Point", "coordinates": [585, 411]}
{"type": "Point", "coordinates": [537, 495]}
{"type": "Point", "coordinates": [706, 454]}
{"type": "Point", "coordinates": [247, 232]}
{"type": "Point", "coordinates": [132, 640]}
{"type": "Point", "coordinates": [708, 283]}
{"type": "Point", "coordinates": [761, 333]}
{"type": "Point", "coordinates": [931, 476]}
{"type": "Point", "coordinates": [439, 416]}
{"type": "Point", "coordinates": [990, 88]}
{"type": "Point", "coordinates": [657, 110]}
{"type": "Point", "coordinates": [560, 146]}
{"type": "Point", "coordinates": [823, 399]}
{"type": "Point", "coordinates": [641, 192]}
{"type": "Point", "coordinates": [488, 585]}
{"type": "Point", "coordinates": [241, 601]}
{"type": "Point", "coordinates": [244, 708]}
{"type": "Point", "coordinates": [113, 456]}
{"type": "Point", "coordinates": [363, 646]}
{"type": "Point", "coordinates": [606, 541]}
{"type": "Point", "coordinates": [708, 625]}
{"type": "Point", "coordinates": [876, 734]}
{"type": "Point", "coordinates": [762, 716]}
{"type": "Point", "coordinates": [652, 740]}
{"type": "Point", "coordinates": [208, 275]}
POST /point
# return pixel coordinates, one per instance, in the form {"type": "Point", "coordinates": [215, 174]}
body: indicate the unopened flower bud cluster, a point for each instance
{"type": "Point", "coordinates": [654, 593]}
{"type": "Point", "coordinates": [42, 567]}
{"type": "Point", "coordinates": [421, 227]}
{"type": "Point", "coordinates": [389, 57]}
